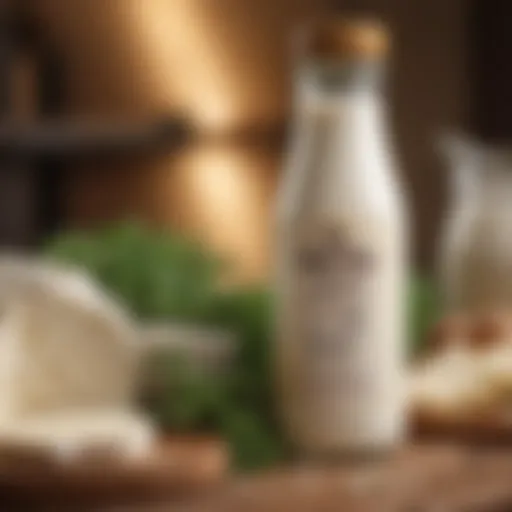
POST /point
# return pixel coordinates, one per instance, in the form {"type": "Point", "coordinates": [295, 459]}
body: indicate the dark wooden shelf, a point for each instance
{"type": "Point", "coordinates": [65, 139]}
{"type": "Point", "coordinates": [269, 136]}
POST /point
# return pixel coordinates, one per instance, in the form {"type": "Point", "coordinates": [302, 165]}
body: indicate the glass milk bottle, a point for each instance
{"type": "Point", "coordinates": [341, 252]}
{"type": "Point", "coordinates": [476, 245]}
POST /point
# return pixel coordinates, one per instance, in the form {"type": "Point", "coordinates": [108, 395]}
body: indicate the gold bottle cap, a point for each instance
{"type": "Point", "coordinates": [346, 38]}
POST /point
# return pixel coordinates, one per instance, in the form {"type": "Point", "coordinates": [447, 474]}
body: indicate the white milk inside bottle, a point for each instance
{"type": "Point", "coordinates": [341, 252]}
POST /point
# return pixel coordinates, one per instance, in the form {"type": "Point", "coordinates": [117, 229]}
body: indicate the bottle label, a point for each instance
{"type": "Point", "coordinates": [335, 276]}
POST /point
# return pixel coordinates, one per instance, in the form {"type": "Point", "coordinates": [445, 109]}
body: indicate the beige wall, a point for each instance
{"type": "Point", "coordinates": [224, 63]}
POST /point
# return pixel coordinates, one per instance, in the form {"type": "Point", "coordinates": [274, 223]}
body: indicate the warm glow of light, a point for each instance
{"type": "Point", "coordinates": [223, 196]}
{"type": "Point", "coordinates": [182, 48]}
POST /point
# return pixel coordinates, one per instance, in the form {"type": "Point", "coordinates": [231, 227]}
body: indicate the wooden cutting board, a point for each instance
{"type": "Point", "coordinates": [177, 467]}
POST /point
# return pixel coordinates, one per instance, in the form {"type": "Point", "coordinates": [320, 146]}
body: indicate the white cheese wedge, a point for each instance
{"type": "Point", "coordinates": [73, 436]}
{"type": "Point", "coordinates": [63, 342]}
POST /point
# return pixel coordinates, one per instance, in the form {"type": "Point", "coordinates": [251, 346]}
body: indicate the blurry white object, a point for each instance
{"type": "Point", "coordinates": [468, 370]}
{"type": "Point", "coordinates": [476, 246]}
{"type": "Point", "coordinates": [450, 384]}
{"type": "Point", "coordinates": [63, 342]}
{"type": "Point", "coordinates": [69, 436]}
{"type": "Point", "coordinates": [207, 350]}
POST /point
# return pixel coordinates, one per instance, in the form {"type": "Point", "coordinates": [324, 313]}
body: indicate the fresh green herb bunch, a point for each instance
{"type": "Point", "coordinates": [155, 274]}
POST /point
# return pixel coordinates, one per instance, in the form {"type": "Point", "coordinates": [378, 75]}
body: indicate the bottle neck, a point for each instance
{"type": "Point", "coordinates": [340, 100]}
{"type": "Point", "coordinates": [339, 135]}
{"type": "Point", "coordinates": [329, 82]}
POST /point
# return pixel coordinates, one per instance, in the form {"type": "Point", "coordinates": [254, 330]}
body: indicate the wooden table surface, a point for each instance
{"type": "Point", "coordinates": [421, 478]}
{"type": "Point", "coordinates": [426, 477]}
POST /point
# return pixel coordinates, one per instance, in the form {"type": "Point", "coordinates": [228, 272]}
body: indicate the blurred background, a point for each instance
{"type": "Point", "coordinates": [176, 111]}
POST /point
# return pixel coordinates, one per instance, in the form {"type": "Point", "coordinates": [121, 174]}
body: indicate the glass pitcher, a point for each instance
{"type": "Point", "coordinates": [475, 256]}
